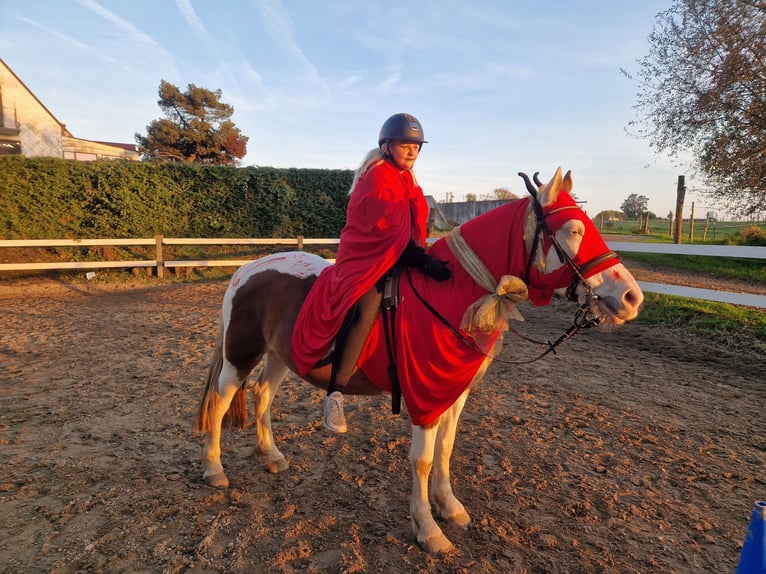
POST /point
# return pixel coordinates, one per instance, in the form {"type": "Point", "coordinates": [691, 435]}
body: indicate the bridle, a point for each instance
{"type": "Point", "coordinates": [585, 317]}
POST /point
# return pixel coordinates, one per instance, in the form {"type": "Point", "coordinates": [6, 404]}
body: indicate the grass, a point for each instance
{"type": "Point", "coordinates": [752, 270]}
{"type": "Point", "coordinates": [715, 232]}
{"type": "Point", "coordinates": [721, 321]}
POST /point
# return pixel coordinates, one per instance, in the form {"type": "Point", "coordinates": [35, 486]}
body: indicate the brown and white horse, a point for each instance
{"type": "Point", "coordinates": [527, 248]}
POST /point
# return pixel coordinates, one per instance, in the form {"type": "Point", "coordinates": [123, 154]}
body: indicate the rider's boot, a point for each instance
{"type": "Point", "coordinates": [348, 346]}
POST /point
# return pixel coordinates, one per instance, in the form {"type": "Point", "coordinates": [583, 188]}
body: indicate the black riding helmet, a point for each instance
{"type": "Point", "coordinates": [401, 127]}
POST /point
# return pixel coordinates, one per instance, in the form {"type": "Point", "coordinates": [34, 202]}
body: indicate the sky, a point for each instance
{"type": "Point", "coordinates": [499, 86]}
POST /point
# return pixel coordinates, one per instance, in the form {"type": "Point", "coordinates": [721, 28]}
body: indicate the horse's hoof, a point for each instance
{"type": "Point", "coordinates": [436, 544]}
{"type": "Point", "coordinates": [217, 480]}
{"type": "Point", "coordinates": [461, 520]}
{"type": "Point", "coordinates": [277, 466]}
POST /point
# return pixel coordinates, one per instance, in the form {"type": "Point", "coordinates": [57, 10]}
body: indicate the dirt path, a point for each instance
{"type": "Point", "coordinates": [638, 451]}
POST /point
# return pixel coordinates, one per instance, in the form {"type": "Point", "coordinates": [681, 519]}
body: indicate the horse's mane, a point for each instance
{"type": "Point", "coordinates": [374, 157]}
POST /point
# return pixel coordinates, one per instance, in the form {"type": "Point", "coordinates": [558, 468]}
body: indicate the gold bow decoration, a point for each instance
{"type": "Point", "coordinates": [489, 313]}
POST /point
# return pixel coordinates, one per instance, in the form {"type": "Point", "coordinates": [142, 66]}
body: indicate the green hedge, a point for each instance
{"type": "Point", "coordinates": [48, 198]}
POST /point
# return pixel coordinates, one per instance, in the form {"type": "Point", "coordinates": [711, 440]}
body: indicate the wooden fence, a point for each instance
{"type": "Point", "coordinates": [160, 264]}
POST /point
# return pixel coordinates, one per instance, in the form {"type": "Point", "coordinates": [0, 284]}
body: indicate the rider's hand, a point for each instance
{"type": "Point", "coordinates": [436, 269]}
{"type": "Point", "coordinates": [416, 256]}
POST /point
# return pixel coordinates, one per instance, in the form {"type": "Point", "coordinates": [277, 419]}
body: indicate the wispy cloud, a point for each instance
{"type": "Point", "coordinates": [78, 44]}
{"type": "Point", "coordinates": [138, 37]}
{"type": "Point", "coordinates": [280, 28]}
{"type": "Point", "coordinates": [190, 15]}
{"type": "Point", "coordinates": [390, 82]}
{"type": "Point", "coordinates": [485, 76]}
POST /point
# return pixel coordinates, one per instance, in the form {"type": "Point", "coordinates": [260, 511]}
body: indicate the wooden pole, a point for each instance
{"type": "Point", "coordinates": [159, 257]}
{"type": "Point", "coordinates": [691, 225]}
{"type": "Point", "coordinates": [680, 195]}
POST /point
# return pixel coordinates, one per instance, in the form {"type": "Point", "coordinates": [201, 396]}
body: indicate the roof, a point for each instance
{"type": "Point", "coordinates": [64, 129]}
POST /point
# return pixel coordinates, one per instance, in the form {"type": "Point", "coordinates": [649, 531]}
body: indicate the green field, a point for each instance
{"type": "Point", "coordinates": [714, 232]}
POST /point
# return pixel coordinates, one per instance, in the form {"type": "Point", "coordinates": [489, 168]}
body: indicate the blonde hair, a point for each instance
{"type": "Point", "coordinates": [374, 157]}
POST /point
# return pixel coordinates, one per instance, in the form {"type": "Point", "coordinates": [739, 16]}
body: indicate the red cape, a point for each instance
{"type": "Point", "coordinates": [386, 209]}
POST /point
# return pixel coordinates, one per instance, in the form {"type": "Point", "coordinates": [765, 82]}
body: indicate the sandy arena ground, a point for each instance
{"type": "Point", "coordinates": [638, 451]}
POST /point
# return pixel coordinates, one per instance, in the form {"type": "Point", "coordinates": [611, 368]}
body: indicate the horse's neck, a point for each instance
{"type": "Point", "coordinates": [497, 238]}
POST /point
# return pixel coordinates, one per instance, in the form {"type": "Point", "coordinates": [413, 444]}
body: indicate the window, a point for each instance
{"type": "Point", "coordinates": [10, 148]}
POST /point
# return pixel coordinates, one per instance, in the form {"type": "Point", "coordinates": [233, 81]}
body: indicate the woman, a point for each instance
{"type": "Point", "coordinates": [385, 223]}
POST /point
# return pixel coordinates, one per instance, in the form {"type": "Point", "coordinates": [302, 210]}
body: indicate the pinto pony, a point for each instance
{"type": "Point", "coordinates": [445, 332]}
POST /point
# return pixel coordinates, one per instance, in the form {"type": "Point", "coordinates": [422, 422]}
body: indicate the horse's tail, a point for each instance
{"type": "Point", "coordinates": [236, 415]}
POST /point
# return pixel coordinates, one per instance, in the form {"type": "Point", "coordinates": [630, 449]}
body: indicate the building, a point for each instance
{"type": "Point", "coordinates": [28, 128]}
{"type": "Point", "coordinates": [445, 216]}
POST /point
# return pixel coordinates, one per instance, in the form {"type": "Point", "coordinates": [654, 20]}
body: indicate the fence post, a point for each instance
{"type": "Point", "coordinates": [691, 225]}
{"type": "Point", "coordinates": [680, 194]}
{"type": "Point", "coordinates": [159, 257]}
{"type": "Point", "coordinates": [300, 243]}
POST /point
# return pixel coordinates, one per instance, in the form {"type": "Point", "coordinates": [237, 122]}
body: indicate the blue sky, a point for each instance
{"type": "Point", "coordinates": [499, 86]}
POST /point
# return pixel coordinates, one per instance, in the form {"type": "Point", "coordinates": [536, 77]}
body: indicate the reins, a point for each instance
{"type": "Point", "coordinates": [584, 319]}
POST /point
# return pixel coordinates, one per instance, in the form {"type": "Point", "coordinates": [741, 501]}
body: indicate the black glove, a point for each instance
{"type": "Point", "coordinates": [415, 256]}
{"type": "Point", "coordinates": [436, 269]}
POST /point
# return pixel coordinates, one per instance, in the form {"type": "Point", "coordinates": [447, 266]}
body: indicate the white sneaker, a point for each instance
{"type": "Point", "coordinates": [332, 410]}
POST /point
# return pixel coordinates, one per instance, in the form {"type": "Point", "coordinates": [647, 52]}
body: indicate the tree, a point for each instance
{"type": "Point", "coordinates": [635, 206]}
{"type": "Point", "coordinates": [702, 90]}
{"type": "Point", "coordinates": [610, 215]}
{"type": "Point", "coordinates": [196, 129]}
{"type": "Point", "coordinates": [500, 193]}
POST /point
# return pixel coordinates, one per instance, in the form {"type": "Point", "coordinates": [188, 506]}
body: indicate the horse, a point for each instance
{"type": "Point", "coordinates": [528, 248]}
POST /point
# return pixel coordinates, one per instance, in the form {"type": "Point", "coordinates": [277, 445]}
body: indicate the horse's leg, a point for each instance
{"type": "Point", "coordinates": [227, 386]}
{"type": "Point", "coordinates": [273, 373]}
{"type": "Point", "coordinates": [448, 507]}
{"type": "Point", "coordinates": [424, 527]}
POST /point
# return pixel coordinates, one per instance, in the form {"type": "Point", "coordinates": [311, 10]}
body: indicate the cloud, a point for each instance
{"type": "Point", "coordinates": [390, 81]}
{"type": "Point", "coordinates": [77, 44]}
{"type": "Point", "coordinates": [280, 27]}
{"type": "Point", "coordinates": [195, 23]}
{"type": "Point", "coordinates": [137, 37]}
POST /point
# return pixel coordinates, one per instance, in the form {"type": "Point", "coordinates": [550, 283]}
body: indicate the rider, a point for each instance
{"type": "Point", "coordinates": [385, 225]}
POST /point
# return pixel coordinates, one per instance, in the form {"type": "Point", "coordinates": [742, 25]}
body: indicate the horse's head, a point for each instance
{"type": "Point", "coordinates": [568, 255]}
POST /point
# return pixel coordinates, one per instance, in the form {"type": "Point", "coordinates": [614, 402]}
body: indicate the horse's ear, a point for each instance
{"type": "Point", "coordinates": [550, 193]}
{"type": "Point", "coordinates": [567, 187]}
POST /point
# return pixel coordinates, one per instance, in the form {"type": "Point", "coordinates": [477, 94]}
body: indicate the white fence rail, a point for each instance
{"type": "Point", "coordinates": [299, 242]}
{"type": "Point", "coordinates": [740, 252]}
